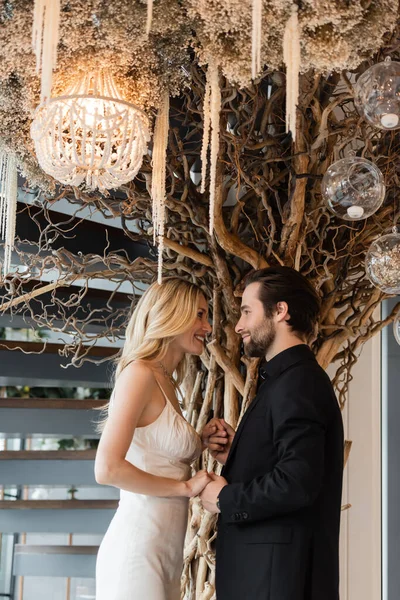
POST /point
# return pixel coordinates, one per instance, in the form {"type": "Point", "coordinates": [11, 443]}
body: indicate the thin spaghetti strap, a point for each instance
{"type": "Point", "coordinates": [162, 389]}
{"type": "Point", "coordinates": [168, 401]}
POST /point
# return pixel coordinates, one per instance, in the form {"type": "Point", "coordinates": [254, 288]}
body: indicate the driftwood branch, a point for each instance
{"type": "Point", "coordinates": [228, 367]}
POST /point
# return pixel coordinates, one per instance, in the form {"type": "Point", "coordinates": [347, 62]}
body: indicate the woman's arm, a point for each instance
{"type": "Point", "coordinates": [133, 392]}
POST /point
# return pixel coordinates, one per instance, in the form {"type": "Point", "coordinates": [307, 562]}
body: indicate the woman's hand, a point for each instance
{"type": "Point", "coordinates": [196, 484]}
{"type": "Point", "coordinates": [218, 436]}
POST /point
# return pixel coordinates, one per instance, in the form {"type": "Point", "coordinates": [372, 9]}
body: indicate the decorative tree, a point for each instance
{"type": "Point", "coordinates": [268, 210]}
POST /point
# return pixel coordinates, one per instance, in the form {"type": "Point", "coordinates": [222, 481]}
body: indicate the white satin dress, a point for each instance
{"type": "Point", "coordinates": [141, 555]}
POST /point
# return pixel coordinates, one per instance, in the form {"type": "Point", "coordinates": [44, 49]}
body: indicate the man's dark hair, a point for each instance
{"type": "Point", "coordinates": [283, 284]}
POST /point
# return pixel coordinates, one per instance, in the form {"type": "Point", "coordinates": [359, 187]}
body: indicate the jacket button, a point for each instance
{"type": "Point", "coordinates": [245, 515]}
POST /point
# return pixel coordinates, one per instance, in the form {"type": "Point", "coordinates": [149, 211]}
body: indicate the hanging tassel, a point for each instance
{"type": "Point", "coordinates": [256, 38]}
{"type": "Point", "coordinates": [206, 134]}
{"type": "Point", "coordinates": [158, 194]}
{"type": "Point", "coordinates": [149, 16]}
{"type": "Point", "coordinates": [291, 56]}
{"type": "Point", "coordinates": [215, 111]}
{"type": "Point", "coordinates": [211, 117]}
{"type": "Point", "coordinates": [8, 205]}
{"type": "Point", "coordinates": [46, 24]}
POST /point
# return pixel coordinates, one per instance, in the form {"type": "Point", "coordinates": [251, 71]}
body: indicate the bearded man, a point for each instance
{"type": "Point", "coordinates": [279, 495]}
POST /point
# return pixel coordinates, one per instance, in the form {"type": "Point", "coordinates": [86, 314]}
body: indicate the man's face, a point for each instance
{"type": "Point", "coordinates": [258, 331]}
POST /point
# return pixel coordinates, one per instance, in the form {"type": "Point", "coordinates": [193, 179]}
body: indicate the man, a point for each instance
{"type": "Point", "coordinates": [279, 495]}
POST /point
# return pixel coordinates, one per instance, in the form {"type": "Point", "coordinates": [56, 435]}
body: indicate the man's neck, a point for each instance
{"type": "Point", "coordinates": [283, 344]}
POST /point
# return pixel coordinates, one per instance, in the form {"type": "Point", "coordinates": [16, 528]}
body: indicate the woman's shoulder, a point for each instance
{"type": "Point", "coordinates": [138, 370]}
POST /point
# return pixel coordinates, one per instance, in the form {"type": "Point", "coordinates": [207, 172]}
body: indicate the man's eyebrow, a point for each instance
{"type": "Point", "coordinates": [244, 307]}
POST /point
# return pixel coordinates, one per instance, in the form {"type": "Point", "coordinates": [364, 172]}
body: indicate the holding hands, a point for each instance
{"type": "Point", "coordinates": [218, 436]}
{"type": "Point", "coordinates": [196, 484]}
{"type": "Point", "coordinates": [209, 495]}
{"type": "Point", "coordinates": [207, 486]}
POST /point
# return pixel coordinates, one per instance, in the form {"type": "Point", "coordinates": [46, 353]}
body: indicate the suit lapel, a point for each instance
{"type": "Point", "coordinates": [241, 427]}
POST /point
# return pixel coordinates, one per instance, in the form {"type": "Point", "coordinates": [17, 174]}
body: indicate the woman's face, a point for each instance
{"type": "Point", "coordinates": [193, 340]}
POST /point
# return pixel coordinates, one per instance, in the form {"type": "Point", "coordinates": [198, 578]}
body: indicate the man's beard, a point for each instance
{"type": "Point", "coordinates": [261, 339]}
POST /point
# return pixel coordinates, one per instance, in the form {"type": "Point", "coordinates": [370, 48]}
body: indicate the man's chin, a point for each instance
{"type": "Point", "coordinates": [252, 352]}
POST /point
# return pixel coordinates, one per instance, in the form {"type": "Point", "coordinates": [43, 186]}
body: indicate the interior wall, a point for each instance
{"type": "Point", "coordinates": [360, 543]}
{"type": "Point", "coordinates": [390, 459]}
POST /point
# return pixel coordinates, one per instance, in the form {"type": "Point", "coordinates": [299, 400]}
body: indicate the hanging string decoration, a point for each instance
{"type": "Point", "coordinates": [292, 58]}
{"type": "Point", "coordinates": [8, 205]}
{"type": "Point", "coordinates": [91, 135]}
{"type": "Point", "coordinates": [211, 111]}
{"type": "Point", "coordinates": [256, 38]}
{"type": "Point", "coordinates": [206, 134]}
{"type": "Point", "coordinates": [149, 16]}
{"type": "Point", "coordinates": [45, 35]}
{"type": "Point", "coordinates": [158, 190]}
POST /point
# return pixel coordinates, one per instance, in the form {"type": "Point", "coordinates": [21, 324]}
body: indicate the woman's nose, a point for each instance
{"type": "Point", "coordinates": [208, 327]}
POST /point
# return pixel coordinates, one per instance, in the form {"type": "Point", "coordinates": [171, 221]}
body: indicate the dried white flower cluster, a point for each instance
{"type": "Point", "coordinates": [92, 34]}
{"type": "Point", "coordinates": [334, 35]}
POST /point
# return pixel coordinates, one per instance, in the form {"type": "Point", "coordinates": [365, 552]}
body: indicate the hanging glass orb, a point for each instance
{"type": "Point", "coordinates": [377, 94]}
{"type": "Point", "coordinates": [396, 328]}
{"type": "Point", "coordinates": [382, 262]}
{"type": "Point", "coordinates": [91, 135]}
{"type": "Point", "coordinates": [353, 188]}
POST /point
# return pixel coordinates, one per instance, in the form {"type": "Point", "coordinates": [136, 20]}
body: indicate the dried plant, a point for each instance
{"type": "Point", "coordinates": [268, 210]}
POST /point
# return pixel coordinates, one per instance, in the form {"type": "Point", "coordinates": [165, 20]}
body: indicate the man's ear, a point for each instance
{"type": "Point", "coordinates": [282, 312]}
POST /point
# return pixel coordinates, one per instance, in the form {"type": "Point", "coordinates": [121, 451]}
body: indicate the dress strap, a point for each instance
{"type": "Point", "coordinates": [167, 400]}
{"type": "Point", "coordinates": [162, 389]}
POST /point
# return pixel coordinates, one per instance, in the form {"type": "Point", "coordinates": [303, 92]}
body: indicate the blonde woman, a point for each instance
{"type": "Point", "coordinates": [147, 446]}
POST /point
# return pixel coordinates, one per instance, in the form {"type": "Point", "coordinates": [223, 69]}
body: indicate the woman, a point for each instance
{"type": "Point", "coordinates": [147, 446]}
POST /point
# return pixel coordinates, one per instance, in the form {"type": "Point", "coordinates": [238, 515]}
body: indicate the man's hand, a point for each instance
{"type": "Point", "coordinates": [217, 436]}
{"type": "Point", "coordinates": [209, 495]}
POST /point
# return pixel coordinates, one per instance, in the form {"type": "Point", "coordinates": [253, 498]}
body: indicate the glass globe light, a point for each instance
{"type": "Point", "coordinates": [382, 262]}
{"type": "Point", "coordinates": [91, 135]}
{"type": "Point", "coordinates": [353, 188]}
{"type": "Point", "coordinates": [377, 94]}
{"type": "Point", "coordinates": [396, 328]}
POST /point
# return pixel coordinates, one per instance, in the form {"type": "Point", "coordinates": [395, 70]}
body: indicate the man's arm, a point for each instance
{"type": "Point", "coordinates": [299, 425]}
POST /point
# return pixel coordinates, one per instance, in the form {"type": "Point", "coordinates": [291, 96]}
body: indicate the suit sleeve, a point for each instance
{"type": "Point", "coordinates": [299, 426]}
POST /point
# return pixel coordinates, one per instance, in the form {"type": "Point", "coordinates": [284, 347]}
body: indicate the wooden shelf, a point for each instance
{"type": "Point", "coordinates": [57, 504]}
{"type": "Point", "coordinates": [38, 347]}
{"type": "Point", "coordinates": [48, 454]}
{"type": "Point", "coordinates": [53, 403]}
{"type": "Point", "coordinates": [39, 549]}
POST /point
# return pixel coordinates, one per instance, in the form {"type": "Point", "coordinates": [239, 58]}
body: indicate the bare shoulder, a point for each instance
{"type": "Point", "coordinates": [138, 372]}
{"type": "Point", "coordinates": [136, 381]}
{"type": "Point", "coordinates": [134, 388]}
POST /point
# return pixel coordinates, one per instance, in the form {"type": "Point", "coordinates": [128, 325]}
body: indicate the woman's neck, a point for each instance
{"type": "Point", "coordinates": [171, 360]}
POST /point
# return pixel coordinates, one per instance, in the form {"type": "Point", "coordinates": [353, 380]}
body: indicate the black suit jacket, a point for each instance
{"type": "Point", "coordinates": [278, 531]}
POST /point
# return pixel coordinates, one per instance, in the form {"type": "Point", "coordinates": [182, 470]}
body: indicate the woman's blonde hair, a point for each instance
{"type": "Point", "coordinates": [162, 313]}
